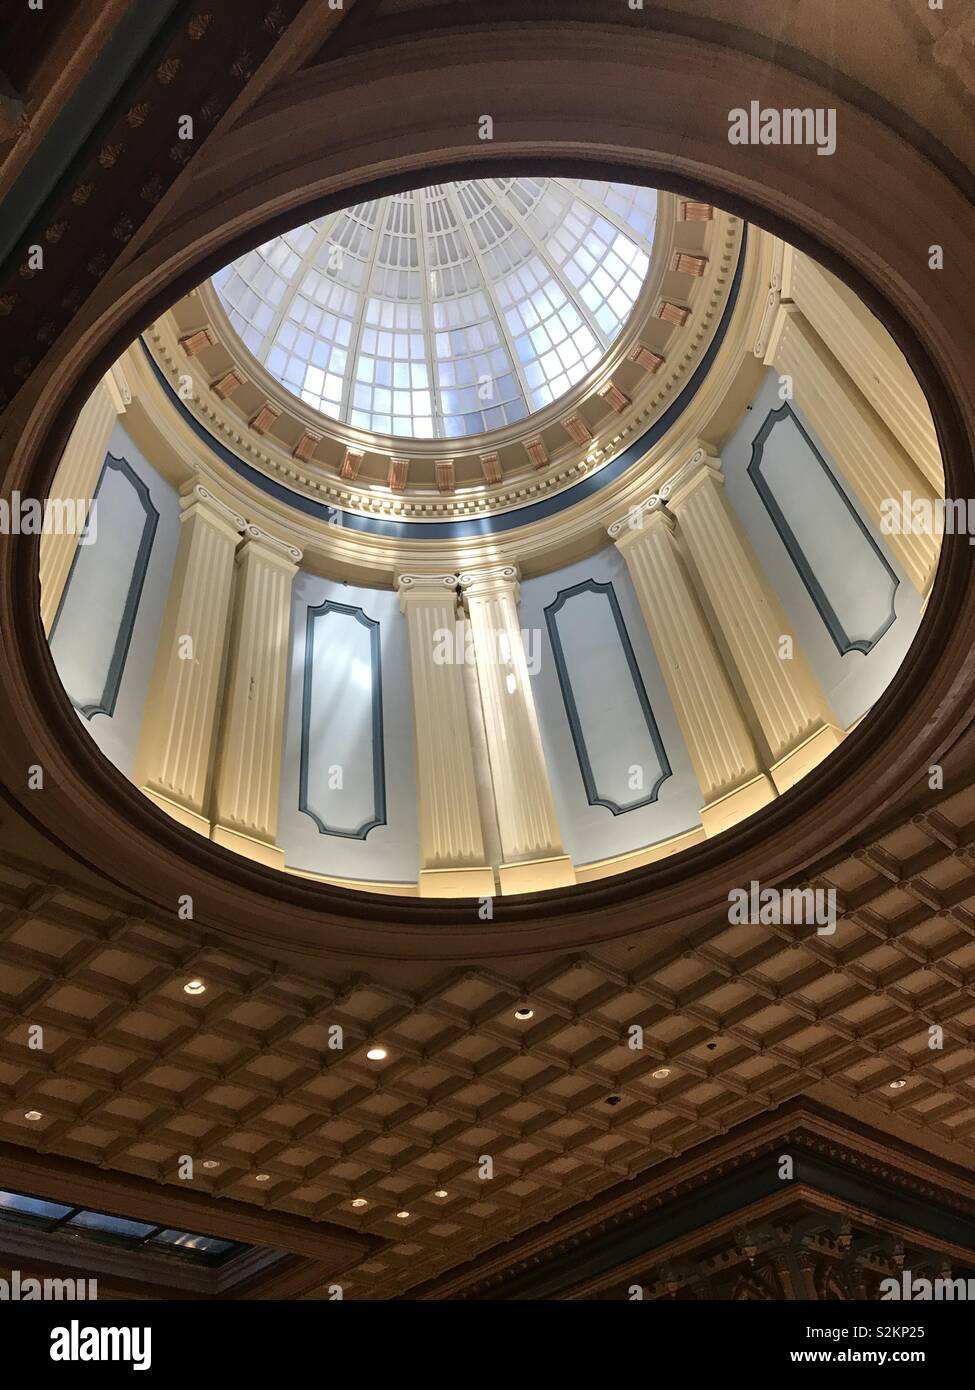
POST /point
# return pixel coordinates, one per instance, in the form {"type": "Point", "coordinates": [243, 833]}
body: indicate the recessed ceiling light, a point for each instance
{"type": "Point", "coordinates": [33, 1115]}
{"type": "Point", "coordinates": [360, 1201]}
{"type": "Point", "coordinates": [402, 1215]}
{"type": "Point", "coordinates": [194, 987]}
{"type": "Point", "coordinates": [263, 1177]}
{"type": "Point", "coordinates": [524, 1013]}
{"type": "Point", "coordinates": [376, 1054]}
{"type": "Point", "coordinates": [613, 1100]}
{"type": "Point", "coordinates": [896, 1085]}
{"type": "Point", "coordinates": [660, 1073]}
{"type": "Point", "coordinates": [440, 1192]}
{"type": "Point", "coordinates": [210, 1163]}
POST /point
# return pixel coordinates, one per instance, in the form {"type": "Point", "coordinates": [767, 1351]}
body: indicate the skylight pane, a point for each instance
{"type": "Point", "coordinates": [33, 1206]}
{"type": "Point", "coordinates": [110, 1225]}
{"type": "Point", "coordinates": [204, 1245]}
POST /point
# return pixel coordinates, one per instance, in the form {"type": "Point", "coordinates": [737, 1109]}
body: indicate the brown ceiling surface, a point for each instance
{"type": "Point", "coordinates": [134, 1073]}
{"type": "Point", "coordinates": [920, 59]}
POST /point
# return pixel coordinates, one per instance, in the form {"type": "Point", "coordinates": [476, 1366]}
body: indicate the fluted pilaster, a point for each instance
{"type": "Point", "coordinates": [452, 858]}
{"type": "Point", "coordinates": [531, 842]}
{"type": "Point", "coordinates": [74, 484]}
{"type": "Point", "coordinates": [722, 753]}
{"type": "Point", "coordinates": [870, 458]}
{"type": "Point", "coordinates": [176, 748]}
{"type": "Point", "coordinates": [869, 356]}
{"type": "Point", "coordinates": [247, 777]}
{"type": "Point", "coordinates": [785, 697]}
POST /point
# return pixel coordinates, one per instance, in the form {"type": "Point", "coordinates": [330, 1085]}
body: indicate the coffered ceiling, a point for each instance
{"type": "Point", "coordinates": [134, 1073]}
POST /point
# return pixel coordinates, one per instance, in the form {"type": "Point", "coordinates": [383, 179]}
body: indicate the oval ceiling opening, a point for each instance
{"type": "Point", "coordinates": [492, 538]}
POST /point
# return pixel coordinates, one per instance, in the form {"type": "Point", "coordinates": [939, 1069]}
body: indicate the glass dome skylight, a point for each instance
{"type": "Point", "coordinates": [445, 311]}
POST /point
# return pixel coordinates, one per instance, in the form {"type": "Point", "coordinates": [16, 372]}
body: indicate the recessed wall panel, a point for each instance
{"type": "Point", "coordinates": [93, 628]}
{"type": "Point", "coordinates": [621, 756]}
{"type": "Point", "coordinates": [342, 781]}
{"type": "Point", "coordinates": [844, 571]}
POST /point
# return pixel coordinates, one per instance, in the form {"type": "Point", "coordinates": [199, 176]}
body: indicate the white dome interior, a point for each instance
{"type": "Point", "coordinates": [445, 311]}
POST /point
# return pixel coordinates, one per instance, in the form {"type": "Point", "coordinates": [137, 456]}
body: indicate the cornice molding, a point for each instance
{"type": "Point", "coordinates": [338, 548]}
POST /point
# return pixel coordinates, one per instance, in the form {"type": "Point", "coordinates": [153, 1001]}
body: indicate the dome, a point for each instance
{"type": "Point", "coordinates": [445, 311]}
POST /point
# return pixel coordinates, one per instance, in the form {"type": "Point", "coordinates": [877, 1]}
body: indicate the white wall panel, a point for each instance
{"type": "Point", "coordinates": [359, 784]}
{"type": "Point", "coordinates": [610, 716]}
{"type": "Point", "coordinates": [838, 556]}
{"type": "Point", "coordinates": [104, 638]}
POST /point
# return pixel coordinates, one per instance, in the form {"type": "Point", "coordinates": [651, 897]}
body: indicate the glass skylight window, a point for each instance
{"type": "Point", "coordinates": [39, 1214]}
{"type": "Point", "coordinates": [446, 311]}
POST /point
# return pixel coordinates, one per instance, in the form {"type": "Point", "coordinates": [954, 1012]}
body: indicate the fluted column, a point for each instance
{"type": "Point", "coordinates": [869, 355]}
{"type": "Point", "coordinates": [176, 747]}
{"type": "Point", "coordinates": [531, 842]}
{"type": "Point", "coordinates": [787, 701]}
{"type": "Point", "coordinates": [722, 753]}
{"type": "Point", "coordinates": [452, 858]}
{"type": "Point", "coordinates": [74, 484]}
{"type": "Point", "coordinates": [247, 774]}
{"type": "Point", "coordinates": [868, 455]}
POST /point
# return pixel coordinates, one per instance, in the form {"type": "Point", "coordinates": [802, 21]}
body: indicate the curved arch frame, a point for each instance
{"type": "Point", "coordinates": [282, 162]}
